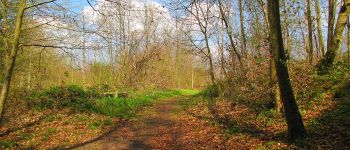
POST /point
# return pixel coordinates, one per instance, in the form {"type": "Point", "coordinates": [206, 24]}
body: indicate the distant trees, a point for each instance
{"type": "Point", "coordinates": [296, 127]}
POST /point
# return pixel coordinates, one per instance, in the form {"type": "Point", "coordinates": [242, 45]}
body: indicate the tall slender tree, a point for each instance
{"type": "Point", "coordinates": [244, 39]}
{"type": "Point", "coordinates": [309, 28]}
{"type": "Point", "coordinates": [295, 124]}
{"type": "Point", "coordinates": [10, 62]}
{"type": "Point", "coordinates": [319, 27]}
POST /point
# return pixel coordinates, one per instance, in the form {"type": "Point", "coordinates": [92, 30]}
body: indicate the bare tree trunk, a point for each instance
{"type": "Point", "coordinates": [317, 46]}
{"type": "Point", "coordinates": [331, 17]}
{"type": "Point", "coordinates": [337, 38]}
{"type": "Point", "coordinates": [211, 64]}
{"type": "Point", "coordinates": [275, 94]}
{"type": "Point", "coordinates": [348, 44]}
{"type": "Point", "coordinates": [288, 44]}
{"type": "Point", "coordinates": [295, 124]}
{"type": "Point", "coordinates": [319, 28]}
{"type": "Point", "coordinates": [221, 50]}
{"type": "Point", "coordinates": [192, 77]}
{"type": "Point", "coordinates": [229, 33]}
{"type": "Point", "coordinates": [5, 37]}
{"type": "Point", "coordinates": [309, 28]}
{"type": "Point", "coordinates": [84, 52]}
{"type": "Point", "coordinates": [244, 40]}
{"type": "Point", "coordinates": [10, 63]}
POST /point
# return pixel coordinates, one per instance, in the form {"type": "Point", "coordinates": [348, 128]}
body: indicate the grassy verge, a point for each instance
{"type": "Point", "coordinates": [128, 107]}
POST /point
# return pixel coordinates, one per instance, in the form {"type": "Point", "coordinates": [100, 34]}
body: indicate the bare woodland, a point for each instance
{"type": "Point", "coordinates": [279, 56]}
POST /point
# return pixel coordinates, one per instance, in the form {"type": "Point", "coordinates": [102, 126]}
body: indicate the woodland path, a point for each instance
{"type": "Point", "coordinates": [161, 126]}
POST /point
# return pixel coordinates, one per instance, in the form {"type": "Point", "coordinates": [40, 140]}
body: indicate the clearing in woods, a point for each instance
{"type": "Point", "coordinates": [160, 126]}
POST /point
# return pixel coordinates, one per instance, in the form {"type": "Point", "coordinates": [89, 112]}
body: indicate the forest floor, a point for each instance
{"type": "Point", "coordinates": [162, 126]}
{"type": "Point", "coordinates": [188, 122]}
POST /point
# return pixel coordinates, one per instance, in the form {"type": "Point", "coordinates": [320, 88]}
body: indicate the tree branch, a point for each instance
{"type": "Point", "coordinates": [38, 4]}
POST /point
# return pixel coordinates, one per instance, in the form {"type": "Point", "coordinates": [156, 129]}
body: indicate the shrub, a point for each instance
{"type": "Point", "coordinates": [70, 96]}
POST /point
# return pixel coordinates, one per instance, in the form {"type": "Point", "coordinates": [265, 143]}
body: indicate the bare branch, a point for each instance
{"type": "Point", "coordinates": [38, 4]}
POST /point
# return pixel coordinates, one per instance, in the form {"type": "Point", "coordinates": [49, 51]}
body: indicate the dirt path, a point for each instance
{"type": "Point", "coordinates": [160, 127]}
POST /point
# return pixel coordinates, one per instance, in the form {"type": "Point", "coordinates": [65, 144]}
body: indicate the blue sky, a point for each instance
{"type": "Point", "coordinates": [77, 5]}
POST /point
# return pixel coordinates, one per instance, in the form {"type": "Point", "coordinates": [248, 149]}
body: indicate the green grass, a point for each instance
{"type": "Point", "coordinates": [128, 107]}
{"type": "Point", "coordinates": [7, 144]}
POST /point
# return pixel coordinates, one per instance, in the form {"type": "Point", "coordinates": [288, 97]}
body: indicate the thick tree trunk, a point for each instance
{"type": "Point", "coordinates": [309, 28]}
{"type": "Point", "coordinates": [328, 60]}
{"type": "Point", "coordinates": [296, 127]}
{"type": "Point", "coordinates": [319, 28]}
{"type": "Point", "coordinates": [275, 94]}
{"type": "Point", "coordinates": [10, 64]}
{"type": "Point", "coordinates": [331, 17]}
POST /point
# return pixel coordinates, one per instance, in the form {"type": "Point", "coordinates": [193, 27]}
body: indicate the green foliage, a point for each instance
{"type": "Point", "coordinates": [338, 71]}
{"type": "Point", "coordinates": [211, 91]}
{"type": "Point", "coordinates": [7, 144]}
{"type": "Point", "coordinates": [71, 96]}
{"type": "Point", "coordinates": [78, 99]}
{"type": "Point", "coordinates": [232, 130]}
{"type": "Point", "coordinates": [95, 125]}
{"type": "Point", "coordinates": [343, 90]}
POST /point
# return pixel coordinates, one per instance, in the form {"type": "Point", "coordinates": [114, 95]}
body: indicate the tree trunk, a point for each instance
{"type": "Point", "coordinates": [288, 43]}
{"type": "Point", "coordinates": [348, 44]}
{"type": "Point", "coordinates": [211, 64]}
{"type": "Point", "coordinates": [229, 33]}
{"type": "Point", "coordinates": [331, 17]}
{"type": "Point", "coordinates": [295, 124]}
{"type": "Point", "coordinates": [319, 28]}
{"type": "Point", "coordinates": [10, 63]}
{"type": "Point", "coordinates": [309, 28]}
{"type": "Point", "coordinates": [275, 94]}
{"type": "Point", "coordinates": [328, 60]}
{"type": "Point", "coordinates": [4, 53]}
{"type": "Point", "coordinates": [244, 41]}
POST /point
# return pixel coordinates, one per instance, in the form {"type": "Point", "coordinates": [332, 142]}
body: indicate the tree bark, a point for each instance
{"type": "Point", "coordinates": [348, 44]}
{"type": "Point", "coordinates": [275, 94]}
{"type": "Point", "coordinates": [309, 28]}
{"type": "Point", "coordinates": [295, 124]}
{"type": "Point", "coordinates": [331, 17]}
{"type": "Point", "coordinates": [244, 39]}
{"type": "Point", "coordinates": [328, 60]}
{"type": "Point", "coordinates": [319, 28]}
{"type": "Point", "coordinates": [10, 63]}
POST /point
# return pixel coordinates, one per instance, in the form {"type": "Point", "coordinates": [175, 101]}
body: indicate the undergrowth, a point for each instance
{"type": "Point", "coordinates": [78, 99]}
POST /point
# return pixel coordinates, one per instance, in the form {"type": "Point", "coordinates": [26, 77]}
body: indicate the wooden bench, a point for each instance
{"type": "Point", "coordinates": [116, 94]}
